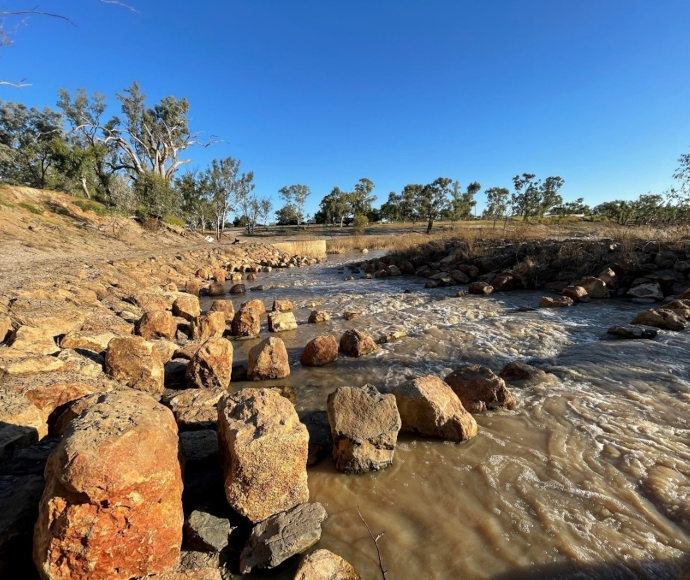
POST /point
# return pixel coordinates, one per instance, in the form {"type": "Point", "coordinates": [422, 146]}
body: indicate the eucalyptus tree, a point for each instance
{"type": "Point", "coordinates": [221, 180]}
{"type": "Point", "coordinates": [361, 197]}
{"type": "Point", "coordinates": [496, 203]}
{"type": "Point", "coordinates": [296, 195]}
{"type": "Point", "coordinates": [432, 200]}
{"type": "Point", "coordinates": [334, 207]}
{"type": "Point", "coordinates": [461, 203]}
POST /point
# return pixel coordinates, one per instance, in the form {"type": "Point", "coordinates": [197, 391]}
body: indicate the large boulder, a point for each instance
{"type": "Point", "coordinates": [281, 536]}
{"type": "Point", "coordinates": [268, 360]}
{"type": "Point", "coordinates": [112, 505]}
{"type": "Point", "coordinates": [325, 565]}
{"type": "Point", "coordinates": [156, 324]}
{"type": "Point", "coordinates": [187, 306]}
{"type": "Point", "coordinates": [263, 449]}
{"type": "Point", "coordinates": [279, 321]}
{"type": "Point", "coordinates": [364, 427]}
{"type": "Point", "coordinates": [211, 325]}
{"type": "Point", "coordinates": [246, 323]}
{"type": "Point", "coordinates": [479, 389]}
{"type": "Point", "coordinates": [255, 304]}
{"type": "Point", "coordinates": [320, 351]}
{"type": "Point", "coordinates": [135, 363]}
{"type": "Point", "coordinates": [211, 365]}
{"type": "Point", "coordinates": [661, 318]}
{"type": "Point", "coordinates": [428, 406]}
{"type": "Point", "coordinates": [356, 343]}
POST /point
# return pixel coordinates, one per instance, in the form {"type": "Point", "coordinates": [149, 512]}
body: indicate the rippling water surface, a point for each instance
{"type": "Point", "coordinates": [589, 477]}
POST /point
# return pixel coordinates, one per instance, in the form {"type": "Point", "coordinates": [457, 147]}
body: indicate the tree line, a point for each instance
{"type": "Point", "coordinates": [133, 162]}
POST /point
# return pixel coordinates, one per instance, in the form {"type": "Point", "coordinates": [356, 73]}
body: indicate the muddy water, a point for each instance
{"type": "Point", "coordinates": [589, 477]}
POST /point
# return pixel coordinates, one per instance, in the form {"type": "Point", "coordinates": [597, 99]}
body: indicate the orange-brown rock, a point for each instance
{"type": "Point", "coordinates": [325, 565]}
{"type": "Point", "coordinates": [428, 406]}
{"type": "Point", "coordinates": [281, 321]}
{"type": "Point", "coordinates": [224, 306]}
{"type": "Point", "coordinates": [156, 324]}
{"type": "Point", "coordinates": [194, 286]}
{"type": "Point", "coordinates": [356, 343]}
{"type": "Point", "coordinates": [21, 423]}
{"type": "Point", "coordinates": [318, 316]}
{"type": "Point", "coordinates": [364, 427]}
{"type": "Point", "coordinates": [479, 389]}
{"type": "Point", "coordinates": [320, 351]}
{"type": "Point", "coordinates": [34, 341]}
{"type": "Point", "coordinates": [196, 408]}
{"type": "Point", "coordinates": [576, 293]}
{"type": "Point", "coordinates": [211, 325]}
{"type": "Point", "coordinates": [481, 288]}
{"type": "Point", "coordinates": [282, 306]}
{"type": "Point", "coordinates": [112, 505]}
{"type": "Point", "coordinates": [219, 275]}
{"type": "Point", "coordinates": [149, 302]}
{"type": "Point", "coordinates": [87, 340]}
{"type": "Point", "coordinates": [187, 306]}
{"type": "Point", "coordinates": [555, 302]}
{"type": "Point", "coordinates": [263, 449]}
{"type": "Point", "coordinates": [211, 365]}
{"type": "Point", "coordinates": [216, 289]}
{"type": "Point", "coordinates": [268, 360]}
{"type": "Point", "coordinates": [246, 323]}
{"type": "Point", "coordinates": [134, 362]}
{"type": "Point", "coordinates": [256, 304]}
{"type": "Point", "coordinates": [5, 327]}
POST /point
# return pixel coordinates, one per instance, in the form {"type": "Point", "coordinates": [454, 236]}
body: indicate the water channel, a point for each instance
{"type": "Point", "coordinates": [588, 478]}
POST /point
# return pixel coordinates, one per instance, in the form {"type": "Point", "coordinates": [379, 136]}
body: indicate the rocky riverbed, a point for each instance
{"type": "Point", "coordinates": [488, 437]}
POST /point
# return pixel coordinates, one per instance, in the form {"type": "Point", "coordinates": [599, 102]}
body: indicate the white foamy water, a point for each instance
{"type": "Point", "coordinates": [588, 478]}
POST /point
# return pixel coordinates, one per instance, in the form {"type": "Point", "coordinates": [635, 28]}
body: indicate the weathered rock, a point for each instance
{"type": "Point", "coordinates": [356, 343]}
{"type": "Point", "coordinates": [218, 289]}
{"type": "Point", "coordinates": [156, 324]}
{"type": "Point", "coordinates": [479, 389]}
{"type": "Point", "coordinates": [595, 287]}
{"type": "Point", "coordinates": [246, 323]}
{"type": "Point", "coordinates": [576, 293]}
{"type": "Point", "coordinates": [281, 321]}
{"type": "Point", "coordinates": [150, 302]}
{"type": "Point", "coordinates": [350, 315]}
{"type": "Point", "coordinates": [194, 287]}
{"type": "Point", "coordinates": [211, 325]}
{"type": "Point", "coordinates": [211, 365]}
{"type": "Point", "coordinates": [633, 331]}
{"type": "Point", "coordinates": [268, 360]}
{"type": "Point", "coordinates": [34, 341]}
{"type": "Point", "coordinates": [13, 363]}
{"type": "Point", "coordinates": [364, 427]}
{"type": "Point", "coordinates": [21, 423]}
{"type": "Point", "coordinates": [115, 471]}
{"type": "Point", "coordinates": [555, 302]}
{"type": "Point", "coordinates": [281, 536]}
{"type": "Point", "coordinates": [237, 289]}
{"type": "Point", "coordinates": [325, 565]}
{"type": "Point", "coordinates": [507, 281]}
{"type": "Point", "coordinates": [520, 371]}
{"type": "Point", "coordinates": [479, 287]}
{"type": "Point", "coordinates": [263, 448]}
{"type": "Point", "coordinates": [318, 316]}
{"type": "Point", "coordinates": [205, 532]}
{"type": "Point", "coordinates": [428, 406]}
{"type": "Point", "coordinates": [224, 306]}
{"type": "Point", "coordinates": [651, 291]}
{"type": "Point", "coordinates": [320, 351]}
{"type": "Point", "coordinates": [256, 305]}
{"type": "Point", "coordinates": [219, 275]}
{"type": "Point", "coordinates": [680, 307]}
{"type": "Point", "coordinates": [87, 340]}
{"type": "Point", "coordinates": [195, 408]}
{"type": "Point", "coordinates": [135, 363]}
{"type": "Point", "coordinates": [660, 318]}
{"type": "Point", "coordinates": [187, 307]}
{"type": "Point", "coordinates": [5, 328]}
{"type": "Point", "coordinates": [609, 277]}
{"type": "Point", "coordinates": [282, 306]}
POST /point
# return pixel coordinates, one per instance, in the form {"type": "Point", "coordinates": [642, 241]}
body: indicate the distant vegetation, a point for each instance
{"type": "Point", "coordinates": [132, 163]}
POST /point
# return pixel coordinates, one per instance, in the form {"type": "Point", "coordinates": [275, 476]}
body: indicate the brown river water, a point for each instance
{"type": "Point", "coordinates": [588, 478]}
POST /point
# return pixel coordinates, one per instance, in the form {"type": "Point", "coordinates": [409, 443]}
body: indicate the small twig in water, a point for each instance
{"type": "Point", "coordinates": [375, 539]}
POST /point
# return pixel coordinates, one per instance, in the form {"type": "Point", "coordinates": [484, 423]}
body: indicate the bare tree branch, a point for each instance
{"type": "Point", "coordinates": [122, 4]}
{"type": "Point", "coordinates": [18, 85]}
{"type": "Point", "coordinates": [4, 13]}
{"type": "Point", "coordinates": [375, 539]}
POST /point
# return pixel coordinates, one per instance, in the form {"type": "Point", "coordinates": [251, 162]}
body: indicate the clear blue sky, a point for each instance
{"type": "Point", "coordinates": [325, 92]}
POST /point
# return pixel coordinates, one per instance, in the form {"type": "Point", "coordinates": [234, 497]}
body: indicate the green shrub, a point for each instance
{"type": "Point", "coordinates": [360, 222]}
{"type": "Point", "coordinates": [88, 205]}
{"type": "Point", "coordinates": [31, 208]}
{"type": "Point", "coordinates": [173, 220]}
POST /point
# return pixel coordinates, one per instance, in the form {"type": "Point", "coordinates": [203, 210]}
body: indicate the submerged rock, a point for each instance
{"type": "Point", "coordinates": [479, 389]}
{"type": "Point", "coordinates": [555, 302]}
{"type": "Point", "coordinates": [364, 427]}
{"type": "Point", "coordinates": [660, 318]}
{"type": "Point", "coordinates": [482, 288]}
{"type": "Point", "coordinates": [325, 565]}
{"type": "Point", "coordinates": [632, 331]}
{"type": "Point", "coordinates": [356, 343]}
{"type": "Point", "coordinates": [318, 316]}
{"type": "Point", "coordinates": [281, 536]}
{"type": "Point", "coordinates": [520, 371]}
{"type": "Point", "coordinates": [263, 449]}
{"type": "Point", "coordinates": [428, 406]}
